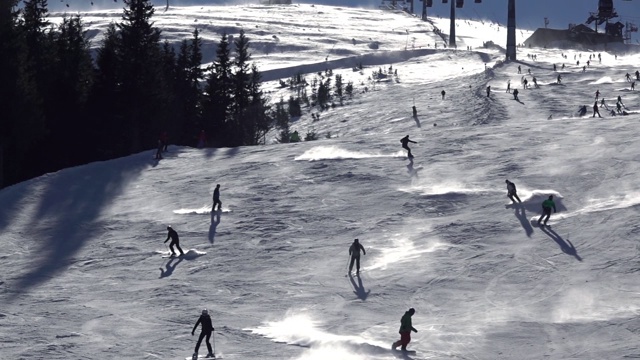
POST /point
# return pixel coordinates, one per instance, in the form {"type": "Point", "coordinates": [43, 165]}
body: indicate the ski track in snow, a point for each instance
{"type": "Point", "coordinates": [84, 276]}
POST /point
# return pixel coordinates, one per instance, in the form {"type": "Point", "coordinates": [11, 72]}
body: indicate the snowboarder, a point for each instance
{"type": "Point", "coordinates": [515, 94]}
{"type": "Point", "coordinates": [488, 90]}
{"type": "Point", "coordinates": [175, 240]}
{"type": "Point", "coordinates": [405, 330]}
{"type": "Point", "coordinates": [546, 209]}
{"type": "Point", "coordinates": [443, 94]}
{"type": "Point", "coordinates": [509, 86]}
{"type": "Point", "coordinates": [405, 145]}
{"type": "Point", "coordinates": [511, 191]}
{"type": "Point", "coordinates": [354, 251]}
{"type": "Point", "coordinates": [216, 198]}
{"type": "Point", "coordinates": [559, 79]}
{"type": "Point", "coordinates": [205, 332]}
{"type": "Point", "coordinates": [595, 109]}
{"type": "Point", "coordinates": [628, 77]}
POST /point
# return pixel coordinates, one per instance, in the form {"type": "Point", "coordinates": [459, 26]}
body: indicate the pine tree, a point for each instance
{"type": "Point", "coordinates": [241, 129]}
{"type": "Point", "coordinates": [218, 96]}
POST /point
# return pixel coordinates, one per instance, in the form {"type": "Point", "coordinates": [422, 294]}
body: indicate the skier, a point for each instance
{"type": "Point", "coordinates": [405, 145]}
{"type": "Point", "coordinates": [519, 70]}
{"type": "Point", "coordinates": [175, 240]}
{"type": "Point", "coordinates": [202, 139]}
{"type": "Point", "coordinates": [405, 330]}
{"type": "Point", "coordinates": [443, 94]}
{"type": "Point", "coordinates": [205, 332]}
{"type": "Point", "coordinates": [546, 209]}
{"type": "Point", "coordinates": [603, 104]}
{"type": "Point", "coordinates": [511, 191]}
{"type": "Point", "coordinates": [595, 109]}
{"type": "Point", "coordinates": [637, 74]}
{"type": "Point", "coordinates": [628, 77]}
{"type": "Point", "coordinates": [554, 67]}
{"type": "Point", "coordinates": [597, 94]}
{"type": "Point", "coordinates": [582, 111]}
{"type": "Point", "coordinates": [559, 79]}
{"type": "Point", "coordinates": [515, 94]}
{"type": "Point", "coordinates": [165, 141]}
{"type": "Point", "coordinates": [354, 251]}
{"type": "Point", "coordinates": [415, 111]}
{"type": "Point", "coordinates": [535, 82]}
{"type": "Point", "coordinates": [633, 86]}
{"type": "Point", "coordinates": [216, 198]}
{"type": "Point", "coordinates": [563, 66]}
{"type": "Point", "coordinates": [488, 90]}
{"type": "Point", "coordinates": [525, 82]}
{"type": "Point", "coordinates": [509, 86]}
{"type": "Point", "coordinates": [159, 150]}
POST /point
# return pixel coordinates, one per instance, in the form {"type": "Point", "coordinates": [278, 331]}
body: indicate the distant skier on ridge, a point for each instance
{"type": "Point", "coordinates": [354, 251]}
{"type": "Point", "coordinates": [405, 330]}
{"type": "Point", "coordinates": [405, 145]}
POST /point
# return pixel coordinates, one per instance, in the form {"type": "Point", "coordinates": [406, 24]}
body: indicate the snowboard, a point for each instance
{"type": "Point", "coordinates": [403, 352]}
{"type": "Point", "coordinates": [203, 357]}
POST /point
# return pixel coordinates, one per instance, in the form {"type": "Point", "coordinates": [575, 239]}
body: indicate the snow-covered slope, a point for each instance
{"type": "Point", "coordinates": [83, 276]}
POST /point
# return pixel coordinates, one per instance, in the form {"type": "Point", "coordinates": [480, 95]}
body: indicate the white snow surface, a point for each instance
{"type": "Point", "coordinates": [82, 272]}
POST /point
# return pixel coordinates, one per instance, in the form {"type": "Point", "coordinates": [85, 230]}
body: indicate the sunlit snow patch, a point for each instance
{"type": "Point", "coordinates": [200, 211]}
{"type": "Point", "coordinates": [604, 80]}
{"type": "Point", "coordinates": [403, 250]}
{"type": "Point", "coordinates": [451, 187]}
{"type": "Point", "coordinates": [302, 330]}
{"type": "Point", "coordinates": [334, 152]}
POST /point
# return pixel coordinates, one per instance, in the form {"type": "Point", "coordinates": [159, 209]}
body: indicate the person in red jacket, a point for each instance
{"type": "Point", "coordinates": [405, 330]}
{"type": "Point", "coordinates": [207, 330]}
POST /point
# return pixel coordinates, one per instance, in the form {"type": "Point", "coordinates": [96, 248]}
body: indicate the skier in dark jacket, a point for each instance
{"type": "Point", "coordinates": [511, 191]}
{"type": "Point", "coordinates": [175, 240]}
{"type": "Point", "coordinates": [354, 251]}
{"type": "Point", "coordinates": [207, 329]}
{"type": "Point", "coordinates": [405, 144]}
{"type": "Point", "coordinates": [595, 109]}
{"type": "Point", "coordinates": [546, 209]}
{"type": "Point", "coordinates": [515, 95]}
{"type": "Point", "coordinates": [405, 330]}
{"type": "Point", "coordinates": [216, 198]}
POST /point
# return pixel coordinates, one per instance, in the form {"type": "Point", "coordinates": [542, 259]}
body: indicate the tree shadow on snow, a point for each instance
{"type": "Point", "coordinates": [565, 245]}
{"type": "Point", "coordinates": [521, 214]}
{"type": "Point", "coordinates": [65, 219]}
{"type": "Point", "coordinates": [358, 288]}
{"type": "Point", "coordinates": [215, 220]}
{"type": "Point", "coordinates": [170, 267]}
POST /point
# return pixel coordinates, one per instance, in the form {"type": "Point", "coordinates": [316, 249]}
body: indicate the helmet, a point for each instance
{"type": "Point", "coordinates": [169, 227]}
{"type": "Point", "coordinates": [412, 311]}
{"type": "Point", "coordinates": [205, 312]}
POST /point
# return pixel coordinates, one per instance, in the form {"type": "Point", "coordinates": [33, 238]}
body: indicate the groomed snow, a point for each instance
{"type": "Point", "coordinates": [83, 276]}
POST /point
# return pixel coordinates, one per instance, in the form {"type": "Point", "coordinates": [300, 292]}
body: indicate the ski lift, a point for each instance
{"type": "Point", "coordinates": [459, 3]}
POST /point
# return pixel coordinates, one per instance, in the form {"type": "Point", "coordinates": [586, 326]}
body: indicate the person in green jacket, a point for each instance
{"type": "Point", "coordinates": [405, 330]}
{"type": "Point", "coordinates": [546, 209]}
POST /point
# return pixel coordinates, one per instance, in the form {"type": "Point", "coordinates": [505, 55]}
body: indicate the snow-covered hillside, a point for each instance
{"type": "Point", "coordinates": [83, 273]}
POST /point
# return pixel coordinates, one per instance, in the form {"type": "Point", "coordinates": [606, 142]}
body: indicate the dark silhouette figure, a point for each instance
{"type": "Point", "coordinates": [595, 109]}
{"type": "Point", "coordinates": [512, 192]}
{"type": "Point", "coordinates": [159, 150]}
{"type": "Point", "coordinates": [405, 145]}
{"type": "Point", "coordinates": [443, 93]}
{"type": "Point", "coordinates": [515, 94]}
{"type": "Point", "coordinates": [405, 330]}
{"type": "Point", "coordinates": [415, 111]}
{"type": "Point", "coordinates": [205, 332]}
{"type": "Point", "coordinates": [488, 91]}
{"type": "Point", "coordinates": [509, 86]}
{"type": "Point", "coordinates": [354, 251]}
{"type": "Point", "coordinates": [175, 240]}
{"type": "Point", "coordinates": [546, 209]}
{"type": "Point", "coordinates": [216, 199]}
{"type": "Point", "coordinates": [560, 78]}
{"type": "Point", "coordinates": [165, 141]}
{"type": "Point", "coordinates": [519, 70]}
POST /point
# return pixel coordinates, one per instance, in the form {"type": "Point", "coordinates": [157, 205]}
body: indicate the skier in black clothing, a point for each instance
{"type": "Point", "coordinates": [175, 240]}
{"type": "Point", "coordinates": [488, 90]}
{"type": "Point", "coordinates": [637, 75]}
{"type": "Point", "coordinates": [595, 109]}
{"type": "Point", "coordinates": [511, 191]}
{"type": "Point", "coordinates": [216, 198]}
{"type": "Point", "coordinates": [354, 251]}
{"type": "Point", "coordinates": [515, 94]}
{"type": "Point", "coordinates": [207, 329]}
{"type": "Point", "coordinates": [443, 93]}
{"type": "Point", "coordinates": [405, 145]}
